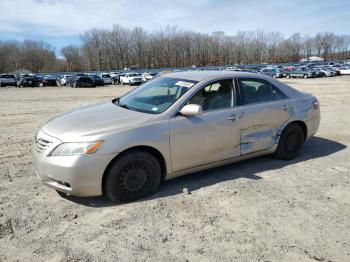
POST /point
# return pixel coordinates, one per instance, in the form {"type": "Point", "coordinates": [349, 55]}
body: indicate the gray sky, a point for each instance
{"type": "Point", "coordinates": [60, 22]}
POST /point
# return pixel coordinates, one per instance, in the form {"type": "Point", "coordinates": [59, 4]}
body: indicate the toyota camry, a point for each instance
{"type": "Point", "coordinates": [170, 126]}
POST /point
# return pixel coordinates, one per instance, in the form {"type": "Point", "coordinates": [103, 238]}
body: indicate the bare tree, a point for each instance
{"type": "Point", "coordinates": [73, 58]}
{"type": "Point", "coordinates": [170, 47]}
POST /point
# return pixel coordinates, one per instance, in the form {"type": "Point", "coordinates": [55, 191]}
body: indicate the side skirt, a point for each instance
{"type": "Point", "coordinates": [221, 163]}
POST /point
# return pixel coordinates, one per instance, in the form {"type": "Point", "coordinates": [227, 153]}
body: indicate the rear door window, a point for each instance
{"type": "Point", "coordinates": [258, 91]}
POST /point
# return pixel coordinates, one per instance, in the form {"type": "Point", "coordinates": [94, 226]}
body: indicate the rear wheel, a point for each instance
{"type": "Point", "coordinates": [134, 175]}
{"type": "Point", "coordinates": [291, 142]}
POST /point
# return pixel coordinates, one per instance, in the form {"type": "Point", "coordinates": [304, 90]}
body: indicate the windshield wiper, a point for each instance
{"type": "Point", "coordinates": [124, 106]}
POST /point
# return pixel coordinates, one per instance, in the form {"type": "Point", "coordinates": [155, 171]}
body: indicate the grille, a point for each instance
{"type": "Point", "coordinates": [41, 145]}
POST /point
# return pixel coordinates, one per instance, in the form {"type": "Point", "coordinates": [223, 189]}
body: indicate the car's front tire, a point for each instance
{"type": "Point", "coordinates": [134, 175]}
{"type": "Point", "coordinates": [291, 142]}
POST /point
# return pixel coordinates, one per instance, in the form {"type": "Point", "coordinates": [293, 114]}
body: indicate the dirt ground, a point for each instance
{"type": "Point", "coordinates": [258, 210]}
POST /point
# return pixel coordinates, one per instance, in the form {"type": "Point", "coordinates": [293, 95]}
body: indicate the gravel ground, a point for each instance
{"type": "Point", "coordinates": [262, 209]}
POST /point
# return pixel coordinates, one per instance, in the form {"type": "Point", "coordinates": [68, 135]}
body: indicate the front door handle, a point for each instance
{"type": "Point", "coordinates": [233, 118]}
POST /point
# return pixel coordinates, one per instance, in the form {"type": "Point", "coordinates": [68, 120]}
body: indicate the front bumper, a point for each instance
{"type": "Point", "coordinates": [139, 81]}
{"type": "Point", "coordinates": [79, 175]}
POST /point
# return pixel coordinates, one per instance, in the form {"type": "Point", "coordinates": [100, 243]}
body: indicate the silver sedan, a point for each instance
{"type": "Point", "coordinates": [173, 125]}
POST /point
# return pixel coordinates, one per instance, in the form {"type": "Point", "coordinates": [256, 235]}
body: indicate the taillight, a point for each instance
{"type": "Point", "coordinates": [316, 104]}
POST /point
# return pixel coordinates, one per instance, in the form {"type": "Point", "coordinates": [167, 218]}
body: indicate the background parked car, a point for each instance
{"type": "Point", "coordinates": [8, 80]}
{"type": "Point", "coordinates": [49, 80]}
{"type": "Point", "coordinates": [329, 72]}
{"type": "Point", "coordinates": [272, 72]}
{"type": "Point", "coordinates": [147, 76]}
{"type": "Point", "coordinates": [319, 72]}
{"type": "Point", "coordinates": [26, 80]}
{"type": "Point", "coordinates": [131, 79]}
{"type": "Point", "coordinates": [344, 70]}
{"type": "Point", "coordinates": [301, 72]}
{"type": "Point", "coordinates": [39, 78]}
{"type": "Point", "coordinates": [82, 81]}
{"type": "Point", "coordinates": [64, 80]}
{"type": "Point", "coordinates": [99, 81]}
{"type": "Point", "coordinates": [333, 68]}
{"type": "Point", "coordinates": [106, 78]}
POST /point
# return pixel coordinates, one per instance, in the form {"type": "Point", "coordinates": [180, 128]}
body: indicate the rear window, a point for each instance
{"type": "Point", "coordinates": [7, 76]}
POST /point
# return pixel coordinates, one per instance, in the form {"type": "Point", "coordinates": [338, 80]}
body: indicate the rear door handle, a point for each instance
{"type": "Point", "coordinates": [233, 118]}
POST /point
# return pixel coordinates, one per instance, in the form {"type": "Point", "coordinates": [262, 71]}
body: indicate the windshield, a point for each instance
{"type": "Point", "coordinates": [156, 96]}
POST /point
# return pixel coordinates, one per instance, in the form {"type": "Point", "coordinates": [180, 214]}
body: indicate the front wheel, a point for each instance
{"type": "Point", "coordinates": [291, 142]}
{"type": "Point", "coordinates": [134, 175]}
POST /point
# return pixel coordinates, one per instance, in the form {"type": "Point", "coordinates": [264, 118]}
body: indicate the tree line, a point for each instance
{"type": "Point", "coordinates": [122, 47]}
{"type": "Point", "coordinates": [34, 56]}
{"type": "Point", "coordinates": [169, 47]}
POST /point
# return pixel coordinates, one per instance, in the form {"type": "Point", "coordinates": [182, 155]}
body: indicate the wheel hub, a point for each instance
{"type": "Point", "coordinates": [134, 177]}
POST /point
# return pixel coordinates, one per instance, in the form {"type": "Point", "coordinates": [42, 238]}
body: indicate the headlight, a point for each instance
{"type": "Point", "coordinates": [71, 149]}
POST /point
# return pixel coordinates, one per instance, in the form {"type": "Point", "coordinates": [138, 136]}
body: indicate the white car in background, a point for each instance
{"type": "Point", "coordinates": [344, 70]}
{"type": "Point", "coordinates": [146, 77]}
{"type": "Point", "coordinates": [131, 79]}
{"type": "Point", "coordinates": [107, 78]}
{"type": "Point", "coordinates": [63, 81]}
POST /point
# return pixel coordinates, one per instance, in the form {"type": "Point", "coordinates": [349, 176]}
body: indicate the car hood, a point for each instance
{"type": "Point", "coordinates": [93, 121]}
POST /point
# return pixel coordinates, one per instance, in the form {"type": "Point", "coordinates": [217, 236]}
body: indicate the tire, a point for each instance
{"type": "Point", "coordinates": [290, 143]}
{"type": "Point", "coordinates": [133, 176]}
{"type": "Point", "coordinates": [305, 76]}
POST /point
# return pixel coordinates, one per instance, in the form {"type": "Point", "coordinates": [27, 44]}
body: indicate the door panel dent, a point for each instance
{"type": "Point", "coordinates": [256, 140]}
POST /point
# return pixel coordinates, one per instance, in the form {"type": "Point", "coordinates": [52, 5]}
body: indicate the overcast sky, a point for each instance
{"type": "Point", "coordinates": [60, 22]}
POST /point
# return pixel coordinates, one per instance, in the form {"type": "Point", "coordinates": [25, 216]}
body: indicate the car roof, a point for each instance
{"type": "Point", "coordinates": [209, 75]}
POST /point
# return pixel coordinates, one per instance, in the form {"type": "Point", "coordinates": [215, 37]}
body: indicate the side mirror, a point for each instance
{"type": "Point", "coordinates": [191, 110]}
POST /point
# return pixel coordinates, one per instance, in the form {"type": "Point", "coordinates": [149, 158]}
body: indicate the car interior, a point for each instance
{"type": "Point", "coordinates": [257, 91]}
{"type": "Point", "coordinates": [215, 96]}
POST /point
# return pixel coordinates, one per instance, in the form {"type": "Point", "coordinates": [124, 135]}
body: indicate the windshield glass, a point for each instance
{"type": "Point", "coordinates": [156, 96]}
